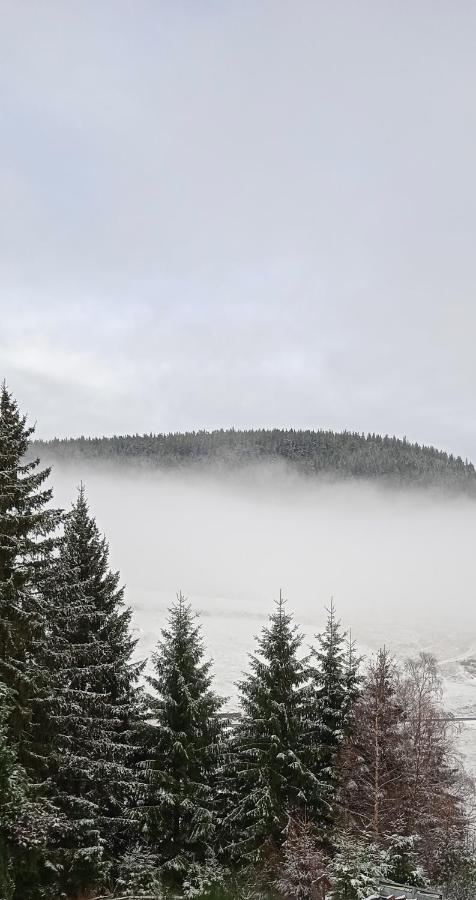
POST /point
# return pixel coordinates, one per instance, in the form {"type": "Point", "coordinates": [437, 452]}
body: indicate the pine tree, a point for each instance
{"type": "Point", "coordinates": [96, 705]}
{"type": "Point", "coordinates": [180, 808]}
{"type": "Point", "coordinates": [27, 541]}
{"type": "Point", "coordinates": [271, 780]}
{"type": "Point", "coordinates": [333, 692]}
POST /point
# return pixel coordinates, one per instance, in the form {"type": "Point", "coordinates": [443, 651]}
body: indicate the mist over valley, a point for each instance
{"type": "Point", "coordinates": [398, 561]}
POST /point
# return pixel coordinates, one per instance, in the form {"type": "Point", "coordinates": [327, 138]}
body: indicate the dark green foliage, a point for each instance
{"type": "Point", "coordinates": [27, 540]}
{"type": "Point", "coordinates": [11, 798]}
{"type": "Point", "coordinates": [180, 807]}
{"type": "Point", "coordinates": [333, 690]}
{"type": "Point", "coordinates": [95, 704]}
{"type": "Point", "coordinates": [346, 454]}
{"type": "Point", "coordinates": [270, 778]}
{"type": "Point", "coordinates": [137, 873]}
{"type": "Point", "coordinates": [357, 867]}
{"type": "Point", "coordinates": [402, 854]}
{"type": "Point", "coordinates": [25, 822]}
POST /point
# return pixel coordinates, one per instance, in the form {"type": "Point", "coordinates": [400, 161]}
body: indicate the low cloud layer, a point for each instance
{"type": "Point", "coordinates": [400, 565]}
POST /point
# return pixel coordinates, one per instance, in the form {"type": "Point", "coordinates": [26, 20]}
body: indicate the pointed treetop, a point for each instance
{"type": "Point", "coordinates": [81, 500]}
{"type": "Point", "coordinates": [280, 606]}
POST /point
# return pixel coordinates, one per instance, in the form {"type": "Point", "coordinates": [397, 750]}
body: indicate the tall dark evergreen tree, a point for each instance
{"type": "Point", "coordinates": [96, 705]}
{"type": "Point", "coordinates": [333, 691]}
{"type": "Point", "coordinates": [27, 541]}
{"type": "Point", "coordinates": [271, 778]}
{"type": "Point", "coordinates": [180, 807]}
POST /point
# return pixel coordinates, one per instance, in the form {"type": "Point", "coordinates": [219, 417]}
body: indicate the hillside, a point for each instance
{"type": "Point", "coordinates": [336, 454]}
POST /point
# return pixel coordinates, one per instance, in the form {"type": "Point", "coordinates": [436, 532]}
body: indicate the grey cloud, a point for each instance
{"type": "Point", "coordinates": [245, 214]}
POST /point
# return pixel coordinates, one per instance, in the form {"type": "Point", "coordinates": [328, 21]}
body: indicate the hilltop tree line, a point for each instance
{"type": "Point", "coordinates": [345, 455]}
{"type": "Point", "coordinates": [329, 776]}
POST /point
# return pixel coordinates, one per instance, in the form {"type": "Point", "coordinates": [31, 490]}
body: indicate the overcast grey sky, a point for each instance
{"type": "Point", "coordinates": [240, 213]}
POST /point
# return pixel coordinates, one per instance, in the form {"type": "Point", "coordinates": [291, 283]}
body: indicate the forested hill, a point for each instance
{"type": "Point", "coordinates": [346, 454]}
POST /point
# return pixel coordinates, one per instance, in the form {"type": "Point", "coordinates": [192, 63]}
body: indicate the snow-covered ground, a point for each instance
{"type": "Point", "coordinates": [399, 563]}
{"type": "Point", "coordinates": [460, 699]}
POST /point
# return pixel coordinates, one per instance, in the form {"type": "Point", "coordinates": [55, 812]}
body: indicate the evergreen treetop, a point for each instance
{"type": "Point", "coordinates": [271, 778]}
{"type": "Point", "coordinates": [96, 707]}
{"type": "Point", "coordinates": [28, 537]}
{"type": "Point", "coordinates": [180, 811]}
{"type": "Point", "coordinates": [333, 692]}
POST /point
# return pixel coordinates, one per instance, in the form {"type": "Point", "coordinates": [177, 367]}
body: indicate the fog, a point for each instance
{"type": "Point", "coordinates": [399, 564]}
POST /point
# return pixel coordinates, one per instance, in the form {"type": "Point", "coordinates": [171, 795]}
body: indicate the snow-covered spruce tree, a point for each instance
{"type": "Point", "coordinates": [24, 823]}
{"type": "Point", "coordinates": [358, 865]}
{"type": "Point", "coordinates": [11, 800]}
{"type": "Point", "coordinates": [136, 874]}
{"type": "Point", "coordinates": [403, 859]}
{"type": "Point", "coordinates": [356, 869]}
{"type": "Point", "coordinates": [96, 710]}
{"type": "Point", "coordinates": [180, 814]}
{"type": "Point", "coordinates": [332, 693]}
{"type": "Point", "coordinates": [27, 541]}
{"type": "Point", "coordinates": [271, 780]}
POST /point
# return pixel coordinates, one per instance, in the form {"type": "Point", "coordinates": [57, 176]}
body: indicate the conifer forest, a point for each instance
{"type": "Point", "coordinates": [329, 774]}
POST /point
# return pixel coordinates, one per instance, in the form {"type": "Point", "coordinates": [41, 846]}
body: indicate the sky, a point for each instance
{"type": "Point", "coordinates": [239, 214]}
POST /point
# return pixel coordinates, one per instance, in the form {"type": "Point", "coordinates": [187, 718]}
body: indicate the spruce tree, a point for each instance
{"type": "Point", "coordinates": [180, 814]}
{"type": "Point", "coordinates": [271, 779]}
{"type": "Point", "coordinates": [96, 705]}
{"type": "Point", "coordinates": [333, 691]}
{"type": "Point", "coordinates": [27, 541]}
{"type": "Point", "coordinates": [11, 800]}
